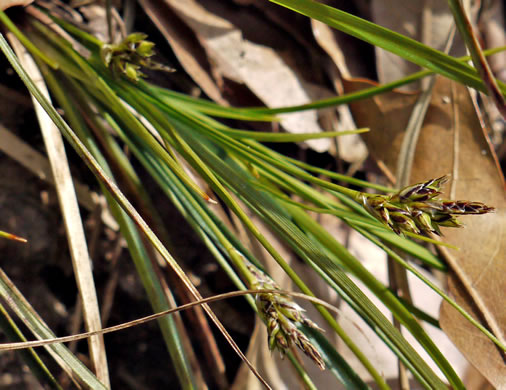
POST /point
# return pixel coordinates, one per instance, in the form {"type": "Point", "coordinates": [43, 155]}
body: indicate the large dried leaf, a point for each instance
{"type": "Point", "coordinates": [478, 283]}
{"type": "Point", "coordinates": [452, 141]}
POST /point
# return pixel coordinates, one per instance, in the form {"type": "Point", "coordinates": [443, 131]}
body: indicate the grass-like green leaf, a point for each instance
{"type": "Point", "coordinates": [29, 356]}
{"type": "Point", "coordinates": [280, 221]}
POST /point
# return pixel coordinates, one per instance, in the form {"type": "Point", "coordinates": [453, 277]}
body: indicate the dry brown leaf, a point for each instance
{"type": "Point", "coordinates": [478, 283]}
{"type": "Point", "coordinates": [345, 51]}
{"type": "Point", "coordinates": [387, 116]}
{"type": "Point", "coordinates": [186, 48]}
{"type": "Point", "coordinates": [325, 37]}
{"type": "Point", "coordinates": [452, 141]}
{"type": "Point", "coordinates": [4, 4]}
{"type": "Point", "coordinates": [475, 381]}
{"type": "Point", "coordinates": [351, 148]}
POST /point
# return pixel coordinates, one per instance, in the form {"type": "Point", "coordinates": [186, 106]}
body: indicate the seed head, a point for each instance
{"type": "Point", "coordinates": [417, 208]}
{"type": "Point", "coordinates": [281, 316]}
{"type": "Point", "coordinates": [127, 57]}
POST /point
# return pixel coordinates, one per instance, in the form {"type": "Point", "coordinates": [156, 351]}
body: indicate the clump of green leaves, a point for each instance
{"type": "Point", "coordinates": [130, 55]}
{"type": "Point", "coordinates": [417, 208]}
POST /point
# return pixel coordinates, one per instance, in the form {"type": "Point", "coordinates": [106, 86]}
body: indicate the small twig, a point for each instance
{"type": "Point", "coordinates": [152, 317]}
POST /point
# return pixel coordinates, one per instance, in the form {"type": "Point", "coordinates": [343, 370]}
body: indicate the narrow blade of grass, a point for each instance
{"type": "Point", "coordinates": [73, 366]}
{"type": "Point", "coordinates": [279, 220]}
{"type": "Point", "coordinates": [374, 34]}
{"type": "Point", "coordinates": [479, 60]}
{"type": "Point", "coordinates": [29, 356]}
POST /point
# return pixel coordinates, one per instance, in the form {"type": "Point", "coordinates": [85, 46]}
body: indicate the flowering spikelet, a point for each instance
{"type": "Point", "coordinates": [128, 56]}
{"type": "Point", "coordinates": [281, 315]}
{"type": "Point", "coordinates": [417, 208]}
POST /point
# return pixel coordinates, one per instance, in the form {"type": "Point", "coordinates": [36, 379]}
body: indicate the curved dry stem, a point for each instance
{"type": "Point", "coordinates": [143, 320]}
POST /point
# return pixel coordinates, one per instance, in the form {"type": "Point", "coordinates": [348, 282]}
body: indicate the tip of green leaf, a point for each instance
{"type": "Point", "coordinates": [13, 237]}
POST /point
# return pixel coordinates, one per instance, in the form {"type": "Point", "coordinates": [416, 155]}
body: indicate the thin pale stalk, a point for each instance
{"type": "Point", "coordinates": [81, 260]}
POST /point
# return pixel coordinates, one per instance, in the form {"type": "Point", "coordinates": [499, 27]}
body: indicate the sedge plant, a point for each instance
{"type": "Point", "coordinates": [109, 103]}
